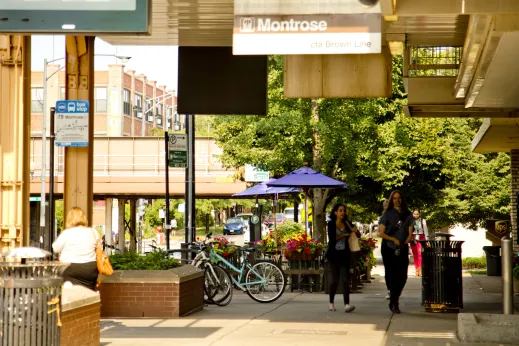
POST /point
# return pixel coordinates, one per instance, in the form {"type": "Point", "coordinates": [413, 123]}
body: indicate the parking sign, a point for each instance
{"type": "Point", "coordinates": [72, 123]}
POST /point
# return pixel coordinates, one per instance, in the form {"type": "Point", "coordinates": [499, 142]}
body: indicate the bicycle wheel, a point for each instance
{"type": "Point", "coordinates": [272, 284]}
{"type": "Point", "coordinates": [218, 286]}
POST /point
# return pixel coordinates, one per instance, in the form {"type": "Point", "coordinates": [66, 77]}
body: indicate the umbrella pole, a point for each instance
{"type": "Point", "coordinates": [305, 191]}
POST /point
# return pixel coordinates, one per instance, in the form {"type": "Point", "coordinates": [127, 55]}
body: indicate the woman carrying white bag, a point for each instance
{"type": "Point", "coordinates": [342, 241]}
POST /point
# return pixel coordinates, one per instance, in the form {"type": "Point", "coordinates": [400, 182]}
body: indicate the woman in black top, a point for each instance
{"type": "Point", "coordinates": [396, 228]}
{"type": "Point", "coordinates": [339, 230]}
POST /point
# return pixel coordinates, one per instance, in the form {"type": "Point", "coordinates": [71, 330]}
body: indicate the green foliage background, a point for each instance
{"type": "Point", "coordinates": [372, 146]}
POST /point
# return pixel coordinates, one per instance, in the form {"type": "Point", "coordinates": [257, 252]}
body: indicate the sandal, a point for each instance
{"type": "Point", "coordinates": [350, 308]}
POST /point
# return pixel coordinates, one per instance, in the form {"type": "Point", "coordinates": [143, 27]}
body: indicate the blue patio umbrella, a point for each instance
{"type": "Point", "coordinates": [306, 178]}
{"type": "Point", "coordinates": [263, 190]}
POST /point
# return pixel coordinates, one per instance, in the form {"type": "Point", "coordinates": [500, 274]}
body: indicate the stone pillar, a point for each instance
{"type": "Point", "coordinates": [514, 155]}
{"type": "Point", "coordinates": [122, 226]}
{"type": "Point", "coordinates": [133, 223]}
{"type": "Point", "coordinates": [79, 164]}
{"type": "Point", "coordinates": [15, 127]}
{"type": "Point", "coordinates": [108, 225]}
{"type": "Point", "coordinates": [115, 123]}
{"type": "Point", "coordinates": [132, 100]}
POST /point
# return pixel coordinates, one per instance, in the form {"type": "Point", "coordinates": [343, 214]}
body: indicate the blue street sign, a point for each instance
{"type": "Point", "coordinates": [72, 123]}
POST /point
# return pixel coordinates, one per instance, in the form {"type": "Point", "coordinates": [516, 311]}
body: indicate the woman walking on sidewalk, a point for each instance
{"type": "Point", "coordinates": [396, 228]}
{"type": "Point", "coordinates": [419, 233]}
{"type": "Point", "coordinates": [339, 254]}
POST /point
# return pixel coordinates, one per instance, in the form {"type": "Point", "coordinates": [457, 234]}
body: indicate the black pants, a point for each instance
{"type": "Point", "coordinates": [396, 271]}
{"type": "Point", "coordinates": [84, 274]}
{"type": "Point", "coordinates": [340, 271]}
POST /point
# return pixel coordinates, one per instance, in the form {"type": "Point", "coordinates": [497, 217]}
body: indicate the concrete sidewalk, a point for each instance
{"type": "Point", "coordinates": [303, 319]}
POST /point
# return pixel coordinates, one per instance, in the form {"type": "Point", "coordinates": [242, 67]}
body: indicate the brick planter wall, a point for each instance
{"type": "Point", "coordinates": [153, 293]}
{"type": "Point", "coordinates": [80, 317]}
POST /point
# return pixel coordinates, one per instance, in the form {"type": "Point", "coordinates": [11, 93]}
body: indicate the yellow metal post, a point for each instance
{"type": "Point", "coordinates": [15, 98]}
{"type": "Point", "coordinates": [78, 189]}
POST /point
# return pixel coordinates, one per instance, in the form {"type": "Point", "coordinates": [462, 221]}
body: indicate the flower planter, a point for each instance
{"type": "Point", "coordinates": [299, 256]}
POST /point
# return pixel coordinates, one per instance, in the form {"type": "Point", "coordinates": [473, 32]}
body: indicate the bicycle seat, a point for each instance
{"type": "Point", "coordinates": [247, 249]}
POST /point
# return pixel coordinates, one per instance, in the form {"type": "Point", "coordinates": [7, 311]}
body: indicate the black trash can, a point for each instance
{"type": "Point", "coordinates": [493, 254]}
{"type": "Point", "coordinates": [30, 303]}
{"type": "Point", "coordinates": [442, 283]}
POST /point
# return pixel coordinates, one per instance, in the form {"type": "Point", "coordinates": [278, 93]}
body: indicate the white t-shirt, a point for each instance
{"type": "Point", "coordinates": [77, 245]}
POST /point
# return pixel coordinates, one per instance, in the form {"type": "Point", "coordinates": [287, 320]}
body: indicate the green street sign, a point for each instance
{"type": "Point", "coordinates": [177, 159]}
{"type": "Point", "coordinates": [177, 151]}
{"type": "Point", "coordinates": [34, 199]}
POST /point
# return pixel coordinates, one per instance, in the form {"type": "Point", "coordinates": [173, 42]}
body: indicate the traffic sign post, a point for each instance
{"type": "Point", "coordinates": [72, 123]}
{"type": "Point", "coordinates": [177, 151]}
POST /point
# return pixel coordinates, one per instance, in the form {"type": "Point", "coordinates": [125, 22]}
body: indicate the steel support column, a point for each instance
{"type": "Point", "coordinates": [108, 225]}
{"type": "Point", "coordinates": [133, 224]}
{"type": "Point", "coordinates": [78, 189]}
{"type": "Point", "coordinates": [15, 126]}
{"type": "Point", "coordinates": [121, 227]}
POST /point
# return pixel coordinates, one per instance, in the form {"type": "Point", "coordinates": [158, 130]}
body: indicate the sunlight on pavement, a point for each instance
{"type": "Point", "coordinates": [422, 335]}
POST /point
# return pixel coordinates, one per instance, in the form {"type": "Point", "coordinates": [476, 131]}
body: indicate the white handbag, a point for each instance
{"type": "Point", "coordinates": [353, 242]}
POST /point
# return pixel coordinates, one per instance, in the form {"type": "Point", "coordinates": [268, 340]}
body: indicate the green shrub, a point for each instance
{"type": "Point", "coordinates": [474, 262]}
{"type": "Point", "coordinates": [156, 260]}
{"type": "Point", "coordinates": [288, 229]}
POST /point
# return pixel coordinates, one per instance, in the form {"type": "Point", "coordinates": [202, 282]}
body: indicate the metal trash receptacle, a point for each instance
{"type": "Point", "coordinates": [442, 282]}
{"type": "Point", "coordinates": [30, 302]}
{"type": "Point", "coordinates": [493, 258]}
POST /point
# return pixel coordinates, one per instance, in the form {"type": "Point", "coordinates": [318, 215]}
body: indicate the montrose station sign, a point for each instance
{"type": "Point", "coordinates": [307, 34]}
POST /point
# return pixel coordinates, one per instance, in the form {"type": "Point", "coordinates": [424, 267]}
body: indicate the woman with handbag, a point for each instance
{"type": "Point", "coordinates": [76, 245]}
{"type": "Point", "coordinates": [396, 228]}
{"type": "Point", "coordinates": [340, 232]}
{"type": "Point", "coordinates": [419, 233]}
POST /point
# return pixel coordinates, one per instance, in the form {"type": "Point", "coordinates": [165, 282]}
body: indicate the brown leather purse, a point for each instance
{"type": "Point", "coordinates": [104, 267]}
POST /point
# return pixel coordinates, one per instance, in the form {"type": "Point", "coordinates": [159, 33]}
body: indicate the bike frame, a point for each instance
{"type": "Point", "coordinates": [241, 271]}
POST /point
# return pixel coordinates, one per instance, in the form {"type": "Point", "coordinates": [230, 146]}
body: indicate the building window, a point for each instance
{"type": "Point", "coordinates": [137, 105]}
{"type": "Point", "coordinates": [37, 100]}
{"type": "Point", "coordinates": [100, 100]}
{"type": "Point", "coordinates": [127, 102]}
{"type": "Point", "coordinates": [62, 93]}
{"type": "Point", "coordinates": [149, 110]}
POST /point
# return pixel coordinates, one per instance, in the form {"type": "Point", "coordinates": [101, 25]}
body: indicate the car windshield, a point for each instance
{"type": "Point", "coordinates": [279, 216]}
{"type": "Point", "coordinates": [234, 220]}
{"type": "Point", "coordinates": [289, 211]}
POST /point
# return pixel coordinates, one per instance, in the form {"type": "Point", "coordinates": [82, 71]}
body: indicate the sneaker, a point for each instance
{"type": "Point", "coordinates": [349, 308]}
{"type": "Point", "coordinates": [388, 295]}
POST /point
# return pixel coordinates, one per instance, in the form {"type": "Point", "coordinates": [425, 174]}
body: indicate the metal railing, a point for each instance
{"type": "Point", "coordinates": [134, 165]}
{"type": "Point", "coordinates": [133, 156]}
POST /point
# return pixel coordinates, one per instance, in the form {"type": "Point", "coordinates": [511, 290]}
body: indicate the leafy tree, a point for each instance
{"type": "Point", "coordinates": [372, 146]}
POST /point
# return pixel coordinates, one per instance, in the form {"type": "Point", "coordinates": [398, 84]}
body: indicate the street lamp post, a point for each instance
{"type": "Point", "coordinates": [45, 242]}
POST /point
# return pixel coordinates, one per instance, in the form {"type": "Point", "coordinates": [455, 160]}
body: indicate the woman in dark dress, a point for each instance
{"type": "Point", "coordinates": [338, 255]}
{"type": "Point", "coordinates": [396, 228]}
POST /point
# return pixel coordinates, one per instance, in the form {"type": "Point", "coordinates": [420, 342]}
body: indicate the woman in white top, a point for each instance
{"type": "Point", "coordinates": [76, 245]}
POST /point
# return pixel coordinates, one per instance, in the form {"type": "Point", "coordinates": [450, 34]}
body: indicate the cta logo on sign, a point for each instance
{"type": "Point", "coordinates": [308, 34]}
{"type": "Point", "coordinates": [247, 24]}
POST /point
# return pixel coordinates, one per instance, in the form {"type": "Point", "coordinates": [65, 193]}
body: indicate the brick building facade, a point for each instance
{"type": "Point", "coordinates": [126, 103]}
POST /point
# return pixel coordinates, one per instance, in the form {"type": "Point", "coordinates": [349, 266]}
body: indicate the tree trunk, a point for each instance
{"type": "Point", "coordinates": [319, 195]}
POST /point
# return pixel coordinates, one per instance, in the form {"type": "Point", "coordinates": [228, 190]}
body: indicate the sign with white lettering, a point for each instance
{"type": "Point", "coordinates": [253, 174]}
{"type": "Point", "coordinates": [72, 123]}
{"type": "Point", "coordinates": [308, 34]}
{"type": "Point", "coordinates": [177, 151]}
